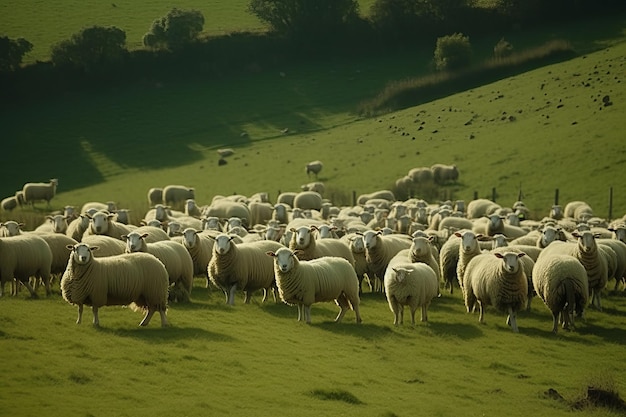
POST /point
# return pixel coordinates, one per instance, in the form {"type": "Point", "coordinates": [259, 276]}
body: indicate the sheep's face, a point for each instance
{"type": "Point", "coordinates": [302, 237]}
{"type": "Point", "coordinates": [190, 237]}
{"type": "Point", "coordinates": [620, 233]}
{"type": "Point", "coordinates": [160, 212]}
{"type": "Point", "coordinates": [325, 231]}
{"type": "Point", "coordinates": [499, 240]}
{"type": "Point", "coordinates": [272, 233]}
{"type": "Point", "coordinates": [100, 223]}
{"type": "Point", "coordinates": [469, 241]}
{"type": "Point", "coordinates": [134, 242]}
{"type": "Point", "coordinates": [222, 244]}
{"type": "Point", "coordinates": [586, 241]}
{"type": "Point", "coordinates": [510, 261]}
{"type": "Point", "coordinates": [549, 235]}
{"type": "Point", "coordinates": [401, 273]}
{"type": "Point", "coordinates": [155, 223]}
{"type": "Point", "coordinates": [190, 205]}
{"type": "Point", "coordinates": [234, 222]}
{"type": "Point", "coordinates": [13, 227]}
{"type": "Point", "coordinates": [82, 254]}
{"type": "Point", "coordinates": [211, 223]}
{"type": "Point", "coordinates": [370, 238]}
{"type": "Point", "coordinates": [284, 260]}
{"type": "Point", "coordinates": [357, 245]}
{"type": "Point", "coordinates": [174, 229]}
{"type": "Point", "coordinates": [59, 223]}
{"type": "Point", "coordinates": [420, 246]}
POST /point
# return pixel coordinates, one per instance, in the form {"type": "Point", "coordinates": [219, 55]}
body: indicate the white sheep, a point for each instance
{"type": "Point", "coordinates": [493, 224]}
{"type": "Point", "coordinates": [312, 248]}
{"type": "Point", "coordinates": [421, 175]}
{"type": "Point", "coordinates": [224, 209]}
{"type": "Point", "coordinates": [620, 251]}
{"type": "Point", "coordinates": [9, 203]}
{"type": "Point", "coordinates": [286, 197]}
{"type": "Point", "coordinates": [448, 262]}
{"type": "Point", "coordinates": [578, 210]}
{"type": "Point", "coordinates": [155, 196]}
{"type": "Point", "coordinates": [192, 209]}
{"type": "Point", "coordinates": [468, 249]}
{"type": "Point", "coordinates": [11, 228]}
{"type": "Point", "coordinates": [242, 266]}
{"type": "Point", "coordinates": [174, 256]}
{"type": "Point", "coordinates": [496, 279]}
{"type": "Point", "coordinates": [481, 207]}
{"type": "Point", "coordinates": [53, 224]}
{"type": "Point", "coordinates": [107, 245]}
{"type": "Point", "coordinates": [379, 250]}
{"type": "Point", "coordinates": [324, 279]}
{"type": "Point", "coordinates": [587, 252]}
{"type": "Point", "coordinates": [443, 174]}
{"type": "Point", "coordinates": [421, 251]}
{"type": "Point", "coordinates": [313, 167]}
{"type": "Point", "coordinates": [561, 282]}
{"type": "Point", "coordinates": [413, 285]}
{"type": "Point", "coordinates": [385, 195]}
{"type": "Point", "coordinates": [122, 216]}
{"type": "Point", "coordinates": [58, 247]}
{"type": "Point", "coordinates": [177, 194]}
{"type": "Point", "coordinates": [357, 246]}
{"type": "Point", "coordinates": [40, 191]}
{"type": "Point", "coordinates": [102, 223]}
{"type": "Point", "coordinates": [260, 212]}
{"type": "Point", "coordinates": [199, 244]}
{"type": "Point", "coordinates": [22, 257]}
{"type": "Point", "coordinates": [139, 280]}
{"type": "Point", "coordinates": [308, 200]}
{"type": "Point", "coordinates": [90, 206]}
{"type": "Point", "coordinates": [316, 186]}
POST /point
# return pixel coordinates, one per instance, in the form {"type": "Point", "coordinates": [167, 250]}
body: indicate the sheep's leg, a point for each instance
{"type": "Point", "coordinates": [511, 320]}
{"type": "Point", "coordinates": [96, 320]}
{"type": "Point", "coordinates": [164, 322]}
{"type": "Point", "coordinates": [481, 312]}
{"type": "Point", "coordinates": [80, 314]}
{"type": "Point", "coordinates": [555, 322]}
{"type": "Point", "coordinates": [300, 312]}
{"type": "Point", "coordinates": [33, 294]}
{"type": "Point", "coordinates": [264, 295]}
{"type": "Point", "coordinates": [307, 313]}
{"type": "Point", "coordinates": [344, 306]}
{"type": "Point", "coordinates": [230, 295]}
{"type": "Point", "coordinates": [246, 297]}
{"type": "Point", "coordinates": [148, 316]}
{"type": "Point", "coordinates": [424, 313]}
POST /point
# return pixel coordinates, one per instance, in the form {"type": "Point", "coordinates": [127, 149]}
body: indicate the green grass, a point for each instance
{"type": "Point", "coordinates": [257, 359]}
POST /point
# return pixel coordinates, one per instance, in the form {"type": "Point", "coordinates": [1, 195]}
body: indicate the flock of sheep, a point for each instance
{"type": "Point", "coordinates": [304, 250]}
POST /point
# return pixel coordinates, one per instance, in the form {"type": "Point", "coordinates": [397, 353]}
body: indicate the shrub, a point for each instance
{"type": "Point", "coordinates": [502, 49]}
{"type": "Point", "coordinates": [453, 52]}
{"type": "Point", "coordinates": [175, 30]}
{"type": "Point", "coordinates": [92, 49]}
{"type": "Point", "coordinates": [12, 51]}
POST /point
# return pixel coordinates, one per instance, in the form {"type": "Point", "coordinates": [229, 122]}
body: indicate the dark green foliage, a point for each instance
{"type": "Point", "coordinates": [306, 19]}
{"type": "Point", "coordinates": [175, 30]}
{"type": "Point", "coordinates": [453, 52]}
{"type": "Point", "coordinates": [93, 49]}
{"type": "Point", "coordinates": [12, 51]}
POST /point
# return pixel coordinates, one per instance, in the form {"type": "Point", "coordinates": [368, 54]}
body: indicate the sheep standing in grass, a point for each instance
{"type": "Point", "coordinates": [155, 196]}
{"type": "Point", "coordinates": [40, 191]}
{"type": "Point", "coordinates": [496, 279]}
{"type": "Point", "coordinates": [357, 246]}
{"type": "Point", "coordinates": [174, 256]}
{"type": "Point", "coordinates": [468, 249]}
{"type": "Point", "coordinates": [312, 248]}
{"type": "Point", "coordinates": [620, 250]}
{"type": "Point", "coordinates": [413, 285]}
{"type": "Point", "coordinates": [561, 282]}
{"type": "Point", "coordinates": [448, 262]}
{"type": "Point", "coordinates": [22, 257]}
{"type": "Point", "coordinates": [313, 167]}
{"type": "Point", "coordinates": [199, 244]}
{"type": "Point", "coordinates": [58, 247]}
{"type": "Point", "coordinates": [421, 251]}
{"type": "Point", "coordinates": [102, 223]}
{"type": "Point", "coordinates": [138, 279]}
{"type": "Point", "coordinates": [587, 252]}
{"type": "Point", "coordinates": [379, 250]}
{"type": "Point", "coordinates": [324, 279]}
{"type": "Point", "coordinates": [177, 194]}
{"type": "Point", "coordinates": [244, 266]}
{"type": "Point", "coordinates": [77, 227]}
{"type": "Point", "coordinates": [443, 174]}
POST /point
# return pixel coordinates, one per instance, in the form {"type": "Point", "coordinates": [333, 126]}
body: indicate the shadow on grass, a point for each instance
{"type": "Point", "coordinates": [465, 331]}
{"type": "Point", "coordinates": [167, 334]}
{"type": "Point", "coordinates": [363, 330]}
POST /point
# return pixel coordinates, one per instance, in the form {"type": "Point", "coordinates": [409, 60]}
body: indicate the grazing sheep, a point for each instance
{"type": "Point", "coordinates": [22, 257]}
{"type": "Point", "coordinates": [314, 167]}
{"type": "Point", "coordinates": [379, 250]}
{"type": "Point", "coordinates": [139, 280]}
{"type": "Point", "coordinates": [174, 256]}
{"type": "Point", "coordinates": [40, 191]}
{"type": "Point", "coordinates": [102, 223]}
{"type": "Point", "coordinates": [11, 228]}
{"type": "Point", "coordinates": [324, 279]}
{"type": "Point", "coordinates": [496, 279]}
{"type": "Point", "coordinates": [9, 203]}
{"type": "Point", "coordinates": [177, 194]}
{"type": "Point", "coordinates": [561, 282]}
{"type": "Point", "coordinates": [312, 248]}
{"type": "Point", "coordinates": [244, 266]}
{"type": "Point", "coordinates": [412, 284]}
{"type": "Point", "coordinates": [107, 245]}
{"type": "Point", "coordinates": [155, 196]}
{"type": "Point", "coordinates": [443, 174]}
{"type": "Point", "coordinates": [587, 252]}
{"type": "Point", "coordinates": [199, 244]}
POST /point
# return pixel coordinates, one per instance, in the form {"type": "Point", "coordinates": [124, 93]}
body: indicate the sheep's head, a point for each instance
{"type": "Point", "coordinates": [370, 238]}
{"type": "Point", "coordinates": [469, 240]}
{"type": "Point", "coordinates": [100, 222]}
{"type": "Point", "coordinates": [401, 273]}
{"type": "Point", "coordinates": [223, 243]}
{"type": "Point", "coordinates": [420, 246]}
{"type": "Point", "coordinates": [302, 236]}
{"type": "Point", "coordinates": [81, 253]}
{"type": "Point", "coordinates": [13, 227]}
{"type": "Point", "coordinates": [134, 241]}
{"type": "Point", "coordinates": [174, 229]}
{"type": "Point", "coordinates": [284, 259]}
{"type": "Point", "coordinates": [510, 261]}
{"type": "Point", "coordinates": [357, 245]}
{"type": "Point", "coordinates": [586, 240]}
{"type": "Point", "coordinates": [190, 237]}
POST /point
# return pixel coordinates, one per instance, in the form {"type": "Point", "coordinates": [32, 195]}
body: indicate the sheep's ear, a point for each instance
{"type": "Point", "coordinates": [519, 255]}
{"type": "Point", "coordinates": [270, 253]}
{"type": "Point", "coordinates": [145, 235]}
{"type": "Point", "coordinates": [124, 237]}
{"type": "Point", "coordinates": [576, 234]}
{"type": "Point", "coordinates": [458, 234]}
{"type": "Point", "coordinates": [93, 248]}
{"type": "Point", "coordinates": [498, 255]}
{"type": "Point", "coordinates": [70, 247]}
{"type": "Point", "coordinates": [297, 252]}
{"type": "Point", "coordinates": [597, 235]}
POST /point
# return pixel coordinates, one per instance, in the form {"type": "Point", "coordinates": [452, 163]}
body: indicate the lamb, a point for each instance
{"type": "Point", "coordinates": [24, 256]}
{"type": "Point", "coordinates": [561, 282]}
{"type": "Point", "coordinates": [496, 279]}
{"type": "Point", "coordinates": [412, 284]}
{"type": "Point", "coordinates": [11, 228]}
{"type": "Point", "coordinates": [587, 252]}
{"type": "Point", "coordinates": [443, 174]}
{"type": "Point", "coordinates": [177, 194]}
{"type": "Point", "coordinates": [38, 191]}
{"type": "Point", "coordinates": [155, 196]}
{"type": "Point", "coordinates": [138, 279]}
{"type": "Point", "coordinates": [311, 248]}
{"type": "Point", "coordinates": [243, 266]}
{"type": "Point", "coordinates": [380, 249]}
{"type": "Point", "coordinates": [102, 223]}
{"type": "Point", "coordinates": [324, 279]}
{"type": "Point", "coordinates": [199, 244]}
{"type": "Point", "coordinates": [314, 167]}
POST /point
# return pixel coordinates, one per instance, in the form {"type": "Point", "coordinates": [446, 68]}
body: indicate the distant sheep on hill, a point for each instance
{"type": "Point", "coordinates": [177, 194]}
{"type": "Point", "coordinates": [443, 174]}
{"type": "Point", "coordinates": [40, 191]}
{"type": "Point", "coordinates": [314, 167]}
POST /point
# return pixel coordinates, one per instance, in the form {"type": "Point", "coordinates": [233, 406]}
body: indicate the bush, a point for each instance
{"type": "Point", "coordinates": [453, 52]}
{"type": "Point", "coordinates": [175, 30]}
{"type": "Point", "coordinates": [12, 51]}
{"type": "Point", "coordinates": [93, 49]}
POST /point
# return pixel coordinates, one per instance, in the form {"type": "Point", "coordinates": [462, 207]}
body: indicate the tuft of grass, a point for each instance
{"type": "Point", "coordinates": [336, 395]}
{"type": "Point", "coordinates": [599, 390]}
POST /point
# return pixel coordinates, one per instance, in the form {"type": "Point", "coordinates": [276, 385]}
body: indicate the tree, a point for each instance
{"type": "Point", "coordinates": [12, 52]}
{"type": "Point", "coordinates": [92, 49]}
{"type": "Point", "coordinates": [175, 30]}
{"type": "Point", "coordinates": [453, 52]}
{"type": "Point", "coordinates": [306, 19]}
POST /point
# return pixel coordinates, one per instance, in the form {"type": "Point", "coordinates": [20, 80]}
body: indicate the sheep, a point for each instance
{"type": "Point", "coordinates": [107, 245]}
{"type": "Point", "coordinates": [561, 282]}
{"type": "Point", "coordinates": [53, 224]}
{"type": "Point", "coordinates": [155, 196]}
{"type": "Point", "coordinates": [138, 279]}
{"type": "Point", "coordinates": [587, 252]}
{"type": "Point", "coordinates": [496, 279]}
{"type": "Point", "coordinates": [385, 195]}
{"type": "Point", "coordinates": [455, 223]}
{"type": "Point", "coordinates": [166, 215]}
{"type": "Point", "coordinates": [620, 249]}
{"type": "Point", "coordinates": [578, 210]}
{"type": "Point", "coordinates": [421, 251]}
{"type": "Point", "coordinates": [481, 207]}
{"type": "Point", "coordinates": [177, 194]}
{"type": "Point", "coordinates": [468, 249]}
{"type": "Point", "coordinates": [211, 223]}
{"type": "Point", "coordinates": [243, 266]}
{"type": "Point", "coordinates": [38, 191]}
{"type": "Point", "coordinates": [357, 246]}
{"type": "Point", "coordinates": [313, 167]}
{"type": "Point", "coordinates": [154, 233]}
{"type": "Point", "coordinates": [225, 209]}
{"type": "Point", "coordinates": [324, 279]}
{"type": "Point", "coordinates": [380, 249]}
{"type": "Point", "coordinates": [493, 223]}
{"type": "Point", "coordinates": [286, 198]}
{"type": "Point", "coordinates": [317, 186]}
{"type": "Point", "coordinates": [311, 248]}
{"type": "Point", "coordinates": [58, 247]}
{"type": "Point", "coordinates": [260, 212]}
{"type": "Point", "coordinates": [448, 261]}
{"type": "Point", "coordinates": [11, 228]}
{"type": "Point", "coordinates": [527, 262]}
{"type": "Point", "coordinates": [109, 206]}
{"type": "Point", "coordinates": [421, 175]}
{"type": "Point", "coordinates": [259, 197]}
{"type": "Point", "coordinates": [9, 203]}
{"type": "Point", "coordinates": [443, 174]}
{"type": "Point", "coordinates": [308, 200]}
{"type": "Point", "coordinates": [77, 227]}
{"type": "Point", "coordinates": [174, 256]}
{"type": "Point", "coordinates": [102, 223]}
{"type": "Point", "coordinates": [192, 209]}
{"type": "Point", "coordinates": [24, 256]}
{"type": "Point", "coordinates": [225, 152]}
{"type": "Point", "coordinates": [122, 216]}
{"type": "Point", "coordinates": [199, 244]}
{"type": "Point", "coordinates": [412, 284]}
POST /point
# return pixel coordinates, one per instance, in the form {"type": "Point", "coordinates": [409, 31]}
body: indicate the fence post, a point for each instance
{"type": "Point", "coordinates": [493, 194]}
{"type": "Point", "coordinates": [556, 197]}
{"type": "Point", "coordinates": [610, 204]}
{"type": "Point", "coordinates": [353, 198]}
{"type": "Point", "coordinates": [475, 195]}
